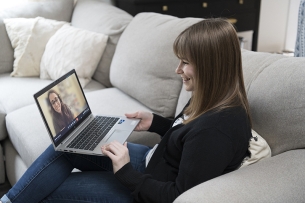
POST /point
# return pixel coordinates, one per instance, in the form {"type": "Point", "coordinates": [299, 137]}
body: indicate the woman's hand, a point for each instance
{"type": "Point", "coordinates": [118, 153]}
{"type": "Point", "coordinates": [146, 119]}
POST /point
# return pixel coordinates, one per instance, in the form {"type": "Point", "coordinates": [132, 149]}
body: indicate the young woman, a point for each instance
{"type": "Point", "coordinates": [207, 139]}
{"type": "Point", "coordinates": [61, 114]}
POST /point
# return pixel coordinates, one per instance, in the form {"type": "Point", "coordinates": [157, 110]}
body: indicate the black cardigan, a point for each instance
{"type": "Point", "coordinates": [212, 145]}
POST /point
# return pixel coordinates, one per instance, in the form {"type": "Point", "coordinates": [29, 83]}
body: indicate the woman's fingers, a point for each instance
{"type": "Point", "coordinates": [118, 153]}
{"type": "Point", "coordinates": [131, 115]}
{"type": "Point", "coordinates": [112, 147]}
{"type": "Point", "coordinates": [108, 153]}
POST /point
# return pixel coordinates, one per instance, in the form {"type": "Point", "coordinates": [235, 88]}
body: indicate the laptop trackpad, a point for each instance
{"type": "Point", "coordinates": [117, 135]}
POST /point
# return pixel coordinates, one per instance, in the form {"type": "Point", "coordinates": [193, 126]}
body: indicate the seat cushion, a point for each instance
{"type": "Point", "coordinates": [30, 138]}
{"type": "Point", "coordinates": [15, 167]}
{"type": "Point", "coordinates": [276, 179]}
{"type": "Point", "coordinates": [18, 92]}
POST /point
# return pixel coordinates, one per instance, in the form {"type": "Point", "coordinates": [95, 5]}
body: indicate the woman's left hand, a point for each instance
{"type": "Point", "coordinates": [118, 153]}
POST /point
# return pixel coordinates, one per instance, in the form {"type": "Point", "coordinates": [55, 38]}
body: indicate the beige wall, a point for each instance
{"type": "Point", "coordinates": [278, 25]}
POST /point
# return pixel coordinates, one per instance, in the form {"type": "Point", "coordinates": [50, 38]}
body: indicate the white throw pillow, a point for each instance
{"type": "Point", "coordinates": [72, 48]}
{"type": "Point", "coordinates": [29, 37]}
{"type": "Point", "coordinates": [258, 148]}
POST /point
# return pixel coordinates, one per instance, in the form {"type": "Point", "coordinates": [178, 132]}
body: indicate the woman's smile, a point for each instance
{"type": "Point", "coordinates": [185, 79]}
{"type": "Point", "coordinates": [186, 71]}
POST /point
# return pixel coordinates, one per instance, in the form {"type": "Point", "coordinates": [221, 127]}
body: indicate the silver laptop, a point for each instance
{"type": "Point", "coordinates": [70, 123]}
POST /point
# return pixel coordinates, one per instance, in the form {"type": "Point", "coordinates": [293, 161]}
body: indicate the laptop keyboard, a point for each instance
{"type": "Point", "coordinates": [91, 136]}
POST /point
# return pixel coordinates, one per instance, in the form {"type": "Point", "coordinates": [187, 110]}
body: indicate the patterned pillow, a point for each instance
{"type": "Point", "coordinates": [258, 148]}
{"type": "Point", "coordinates": [29, 37]}
{"type": "Point", "coordinates": [72, 48]}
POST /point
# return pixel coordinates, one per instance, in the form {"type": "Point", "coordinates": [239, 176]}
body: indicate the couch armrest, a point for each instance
{"type": "Point", "coordinates": [277, 179]}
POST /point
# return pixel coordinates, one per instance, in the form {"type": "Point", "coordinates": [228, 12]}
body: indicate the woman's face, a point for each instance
{"type": "Point", "coordinates": [187, 73]}
{"type": "Point", "coordinates": [54, 100]}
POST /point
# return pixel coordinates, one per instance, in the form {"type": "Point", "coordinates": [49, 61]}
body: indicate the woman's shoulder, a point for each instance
{"type": "Point", "coordinates": [224, 120]}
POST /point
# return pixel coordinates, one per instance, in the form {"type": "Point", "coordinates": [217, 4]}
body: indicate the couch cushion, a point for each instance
{"type": "Point", "coordinates": [277, 179]}
{"type": "Point", "coordinates": [253, 66]}
{"type": "Point", "coordinates": [15, 167]}
{"type": "Point", "coordinates": [97, 16]}
{"type": "Point", "coordinates": [275, 88]}
{"type": "Point", "coordinates": [27, 133]}
{"type": "Point", "coordinates": [144, 62]}
{"type": "Point", "coordinates": [29, 136]}
{"type": "Point", "coordinates": [18, 92]}
{"type": "Point", "coordinates": [51, 9]}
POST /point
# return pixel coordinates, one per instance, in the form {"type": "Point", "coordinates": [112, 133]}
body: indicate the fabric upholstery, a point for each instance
{"type": "Point", "coordinates": [144, 64]}
{"type": "Point", "coordinates": [254, 63]}
{"type": "Point", "coordinates": [275, 88]}
{"type": "Point", "coordinates": [276, 179]}
{"type": "Point", "coordinates": [101, 17]}
{"type": "Point", "coordinates": [72, 48]}
{"type": "Point", "coordinates": [15, 167]}
{"type": "Point", "coordinates": [30, 139]}
{"type": "Point", "coordinates": [51, 9]}
{"type": "Point", "coordinates": [29, 37]}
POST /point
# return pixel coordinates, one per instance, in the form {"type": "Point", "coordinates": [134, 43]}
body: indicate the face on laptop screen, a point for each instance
{"type": "Point", "coordinates": [63, 106]}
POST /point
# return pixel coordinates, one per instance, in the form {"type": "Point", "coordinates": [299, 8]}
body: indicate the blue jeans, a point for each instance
{"type": "Point", "coordinates": [49, 178]}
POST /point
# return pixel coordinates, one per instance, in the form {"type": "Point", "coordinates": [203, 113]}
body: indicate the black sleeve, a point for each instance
{"type": "Point", "coordinates": [205, 155]}
{"type": "Point", "coordinates": [160, 125]}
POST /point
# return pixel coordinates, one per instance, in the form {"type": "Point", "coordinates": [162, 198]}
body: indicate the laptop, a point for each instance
{"type": "Point", "coordinates": [70, 123]}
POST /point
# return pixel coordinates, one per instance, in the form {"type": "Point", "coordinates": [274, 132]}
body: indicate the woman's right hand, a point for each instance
{"type": "Point", "coordinates": [145, 122]}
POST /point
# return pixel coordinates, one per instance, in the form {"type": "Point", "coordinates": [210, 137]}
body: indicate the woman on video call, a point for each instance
{"type": "Point", "coordinates": [61, 113]}
{"type": "Point", "coordinates": [209, 138]}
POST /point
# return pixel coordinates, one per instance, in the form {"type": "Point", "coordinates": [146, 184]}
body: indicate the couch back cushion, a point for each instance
{"type": "Point", "coordinates": [100, 17]}
{"type": "Point", "coordinates": [276, 94]}
{"type": "Point", "coordinates": [50, 9]}
{"type": "Point", "coordinates": [144, 63]}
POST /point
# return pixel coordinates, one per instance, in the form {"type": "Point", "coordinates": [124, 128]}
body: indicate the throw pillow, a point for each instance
{"type": "Point", "coordinates": [258, 148]}
{"type": "Point", "coordinates": [29, 38]}
{"type": "Point", "coordinates": [72, 48]}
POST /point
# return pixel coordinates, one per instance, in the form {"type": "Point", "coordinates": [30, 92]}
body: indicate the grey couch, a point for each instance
{"type": "Point", "coordinates": [136, 72]}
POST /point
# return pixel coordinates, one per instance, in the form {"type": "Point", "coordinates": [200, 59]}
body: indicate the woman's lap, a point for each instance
{"type": "Point", "coordinates": [93, 186]}
{"type": "Point", "coordinates": [137, 155]}
{"type": "Point", "coordinates": [97, 175]}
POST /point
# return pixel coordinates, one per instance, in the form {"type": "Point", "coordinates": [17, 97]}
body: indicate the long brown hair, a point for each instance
{"type": "Point", "coordinates": [61, 119]}
{"type": "Point", "coordinates": [213, 48]}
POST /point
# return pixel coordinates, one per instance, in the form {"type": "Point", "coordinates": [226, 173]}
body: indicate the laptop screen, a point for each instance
{"type": "Point", "coordinates": [63, 106]}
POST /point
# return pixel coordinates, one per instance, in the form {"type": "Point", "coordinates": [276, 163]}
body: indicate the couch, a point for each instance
{"type": "Point", "coordinates": [136, 72]}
